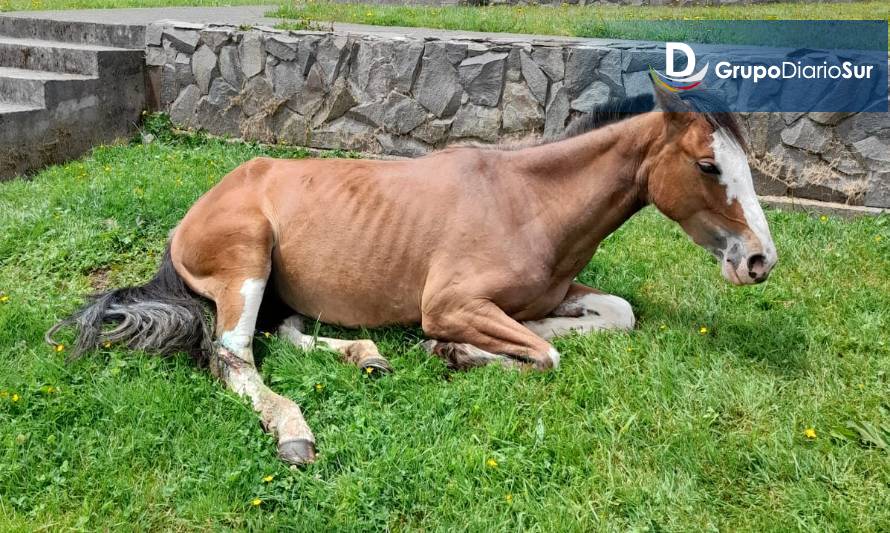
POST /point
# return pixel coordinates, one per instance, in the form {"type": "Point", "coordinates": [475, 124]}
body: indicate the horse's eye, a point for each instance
{"type": "Point", "coordinates": [708, 168]}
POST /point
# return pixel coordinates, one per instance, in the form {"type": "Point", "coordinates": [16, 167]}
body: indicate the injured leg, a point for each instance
{"type": "Point", "coordinates": [233, 363]}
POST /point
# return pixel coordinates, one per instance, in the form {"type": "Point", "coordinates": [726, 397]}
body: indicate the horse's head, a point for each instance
{"type": "Point", "coordinates": [699, 176]}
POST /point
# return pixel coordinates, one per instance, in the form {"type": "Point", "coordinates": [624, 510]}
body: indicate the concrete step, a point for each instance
{"type": "Point", "coordinates": [70, 58]}
{"type": "Point", "coordinates": [32, 137]}
{"type": "Point", "coordinates": [64, 88]}
{"type": "Point", "coordinates": [9, 109]}
{"type": "Point", "coordinates": [28, 26]}
{"type": "Point", "coordinates": [41, 88]}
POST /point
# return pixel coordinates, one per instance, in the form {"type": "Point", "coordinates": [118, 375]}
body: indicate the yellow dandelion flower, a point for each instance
{"type": "Point", "coordinates": [630, 349]}
{"type": "Point", "coordinates": [491, 463]}
{"type": "Point", "coordinates": [267, 334]}
{"type": "Point", "coordinates": [809, 433]}
{"type": "Point", "coordinates": [106, 344]}
{"type": "Point", "coordinates": [319, 387]}
{"type": "Point", "coordinates": [703, 330]}
{"type": "Point", "coordinates": [509, 498]}
{"type": "Point", "coordinates": [4, 298]}
{"type": "Point", "coordinates": [369, 370]}
{"type": "Point", "coordinates": [268, 479]}
{"type": "Point", "coordinates": [256, 502]}
{"type": "Point", "coordinates": [15, 398]}
{"type": "Point", "coordinates": [823, 218]}
{"type": "Point", "coordinates": [60, 347]}
{"type": "Point", "coordinates": [663, 327]}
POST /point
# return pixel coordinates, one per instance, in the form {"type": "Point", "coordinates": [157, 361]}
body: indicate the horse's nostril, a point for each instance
{"type": "Point", "coordinates": [757, 267]}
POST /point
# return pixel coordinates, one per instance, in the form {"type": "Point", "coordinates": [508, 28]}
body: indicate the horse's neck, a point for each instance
{"type": "Point", "coordinates": [589, 184]}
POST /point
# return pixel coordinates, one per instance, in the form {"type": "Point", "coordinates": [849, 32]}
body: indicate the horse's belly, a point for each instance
{"type": "Point", "coordinates": [346, 293]}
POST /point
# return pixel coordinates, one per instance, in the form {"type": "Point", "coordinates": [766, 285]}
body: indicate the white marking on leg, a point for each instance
{"type": "Point", "coordinates": [361, 352]}
{"type": "Point", "coordinates": [613, 312]}
{"type": "Point", "coordinates": [554, 356]}
{"type": "Point", "coordinates": [239, 338]}
{"type": "Point", "coordinates": [735, 175]}
{"type": "Point", "coordinates": [279, 415]}
{"type": "Point", "coordinates": [292, 330]}
{"type": "Point", "coordinates": [601, 312]}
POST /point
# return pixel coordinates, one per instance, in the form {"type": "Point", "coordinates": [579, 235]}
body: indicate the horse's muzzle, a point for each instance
{"type": "Point", "coordinates": [747, 270]}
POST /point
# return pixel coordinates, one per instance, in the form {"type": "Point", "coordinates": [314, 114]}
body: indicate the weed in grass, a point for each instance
{"type": "Point", "coordinates": [661, 428]}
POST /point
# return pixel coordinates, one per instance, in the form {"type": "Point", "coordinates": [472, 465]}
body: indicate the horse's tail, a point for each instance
{"type": "Point", "coordinates": [162, 317]}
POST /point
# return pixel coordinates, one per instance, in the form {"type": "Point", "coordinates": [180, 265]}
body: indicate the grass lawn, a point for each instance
{"type": "Point", "coordinates": [609, 21]}
{"type": "Point", "coordinates": [620, 22]}
{"type": "Point", "coordinates": [42, 5]}
{"type": "Point", "coordinates": [694, 421]}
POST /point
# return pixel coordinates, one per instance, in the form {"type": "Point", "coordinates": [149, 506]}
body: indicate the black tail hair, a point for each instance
{"type": "Point", "coordinates": [162, 317]}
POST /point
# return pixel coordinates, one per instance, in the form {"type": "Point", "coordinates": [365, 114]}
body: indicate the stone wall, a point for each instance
{"type": "Point", "coordinates": [390, 94]}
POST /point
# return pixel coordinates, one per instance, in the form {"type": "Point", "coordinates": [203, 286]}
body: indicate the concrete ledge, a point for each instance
{"type": "Point", "coordinates": [822, 208]}
{"type": "Point", "coordinates": [118, 35]}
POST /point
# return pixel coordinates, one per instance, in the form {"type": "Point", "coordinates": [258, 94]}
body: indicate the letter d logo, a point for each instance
{"type": "Point", "coordinates": [669, 60]}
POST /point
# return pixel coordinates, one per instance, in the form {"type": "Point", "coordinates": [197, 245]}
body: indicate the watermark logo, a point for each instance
{"type": "Point", "coordinates": [679, 80]}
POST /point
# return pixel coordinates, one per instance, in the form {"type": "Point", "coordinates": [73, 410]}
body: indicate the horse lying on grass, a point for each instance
{"type": "Point", "coordinates": [480, 246]}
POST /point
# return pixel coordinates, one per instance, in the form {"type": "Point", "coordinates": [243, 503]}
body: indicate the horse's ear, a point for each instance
{"type": "Point", "coordinates": [676, 111]}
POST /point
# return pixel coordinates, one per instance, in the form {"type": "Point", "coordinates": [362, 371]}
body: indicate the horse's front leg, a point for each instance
{"type": "Point", "coordinates": [476, 332]}
{"type": "Point", "coordinates": [584, 309]}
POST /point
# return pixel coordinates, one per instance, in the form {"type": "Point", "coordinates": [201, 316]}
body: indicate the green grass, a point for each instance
{"type": "Point", "coordinates": [618, 22]}
{"type": "Point", "coordinates": [660, 429]}
{"type": "Point", "coordinates": [42, 5]}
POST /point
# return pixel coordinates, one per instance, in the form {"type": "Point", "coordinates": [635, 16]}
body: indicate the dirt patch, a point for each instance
{"type": "Point", "coordinates": [99, 278]}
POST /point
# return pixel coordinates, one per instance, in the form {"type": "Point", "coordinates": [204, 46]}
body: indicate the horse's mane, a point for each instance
{"type": "Point", "coordinates": [610, 112]}
{"type": "Point", "coordinates": [618, 109]}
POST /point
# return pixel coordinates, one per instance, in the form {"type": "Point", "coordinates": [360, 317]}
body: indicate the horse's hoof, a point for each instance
{"type": "Point", "coordinates": [297, 452]}
{"type": "Point", "coordinates": [373, 365]}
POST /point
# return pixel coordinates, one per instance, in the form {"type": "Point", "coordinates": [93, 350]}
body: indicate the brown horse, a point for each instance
{"type": "Point", "coordinates": [480, 246]}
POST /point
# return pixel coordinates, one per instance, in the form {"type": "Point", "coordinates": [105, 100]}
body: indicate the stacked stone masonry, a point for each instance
{"type": "Point", "coordinates": [389, 94]}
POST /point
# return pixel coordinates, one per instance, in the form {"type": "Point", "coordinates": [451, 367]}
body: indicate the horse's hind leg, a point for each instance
{"type": "Point", "coordinates": [583, 310]}
{"type": "Point", "coordinates": [237, 309]}
{"type": "Point", "coordinates": [362, 353]}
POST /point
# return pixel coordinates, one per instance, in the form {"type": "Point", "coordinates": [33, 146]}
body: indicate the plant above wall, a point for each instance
{"type": "Point", "coordinates": [578, 21]}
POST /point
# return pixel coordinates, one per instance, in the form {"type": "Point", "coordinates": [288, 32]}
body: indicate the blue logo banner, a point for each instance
{"type": "Point", "coordinates": [776, 65]}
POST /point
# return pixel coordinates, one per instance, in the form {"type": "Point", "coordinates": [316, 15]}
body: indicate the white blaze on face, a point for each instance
{"type": "Point", "coordinates": [735, 175]}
